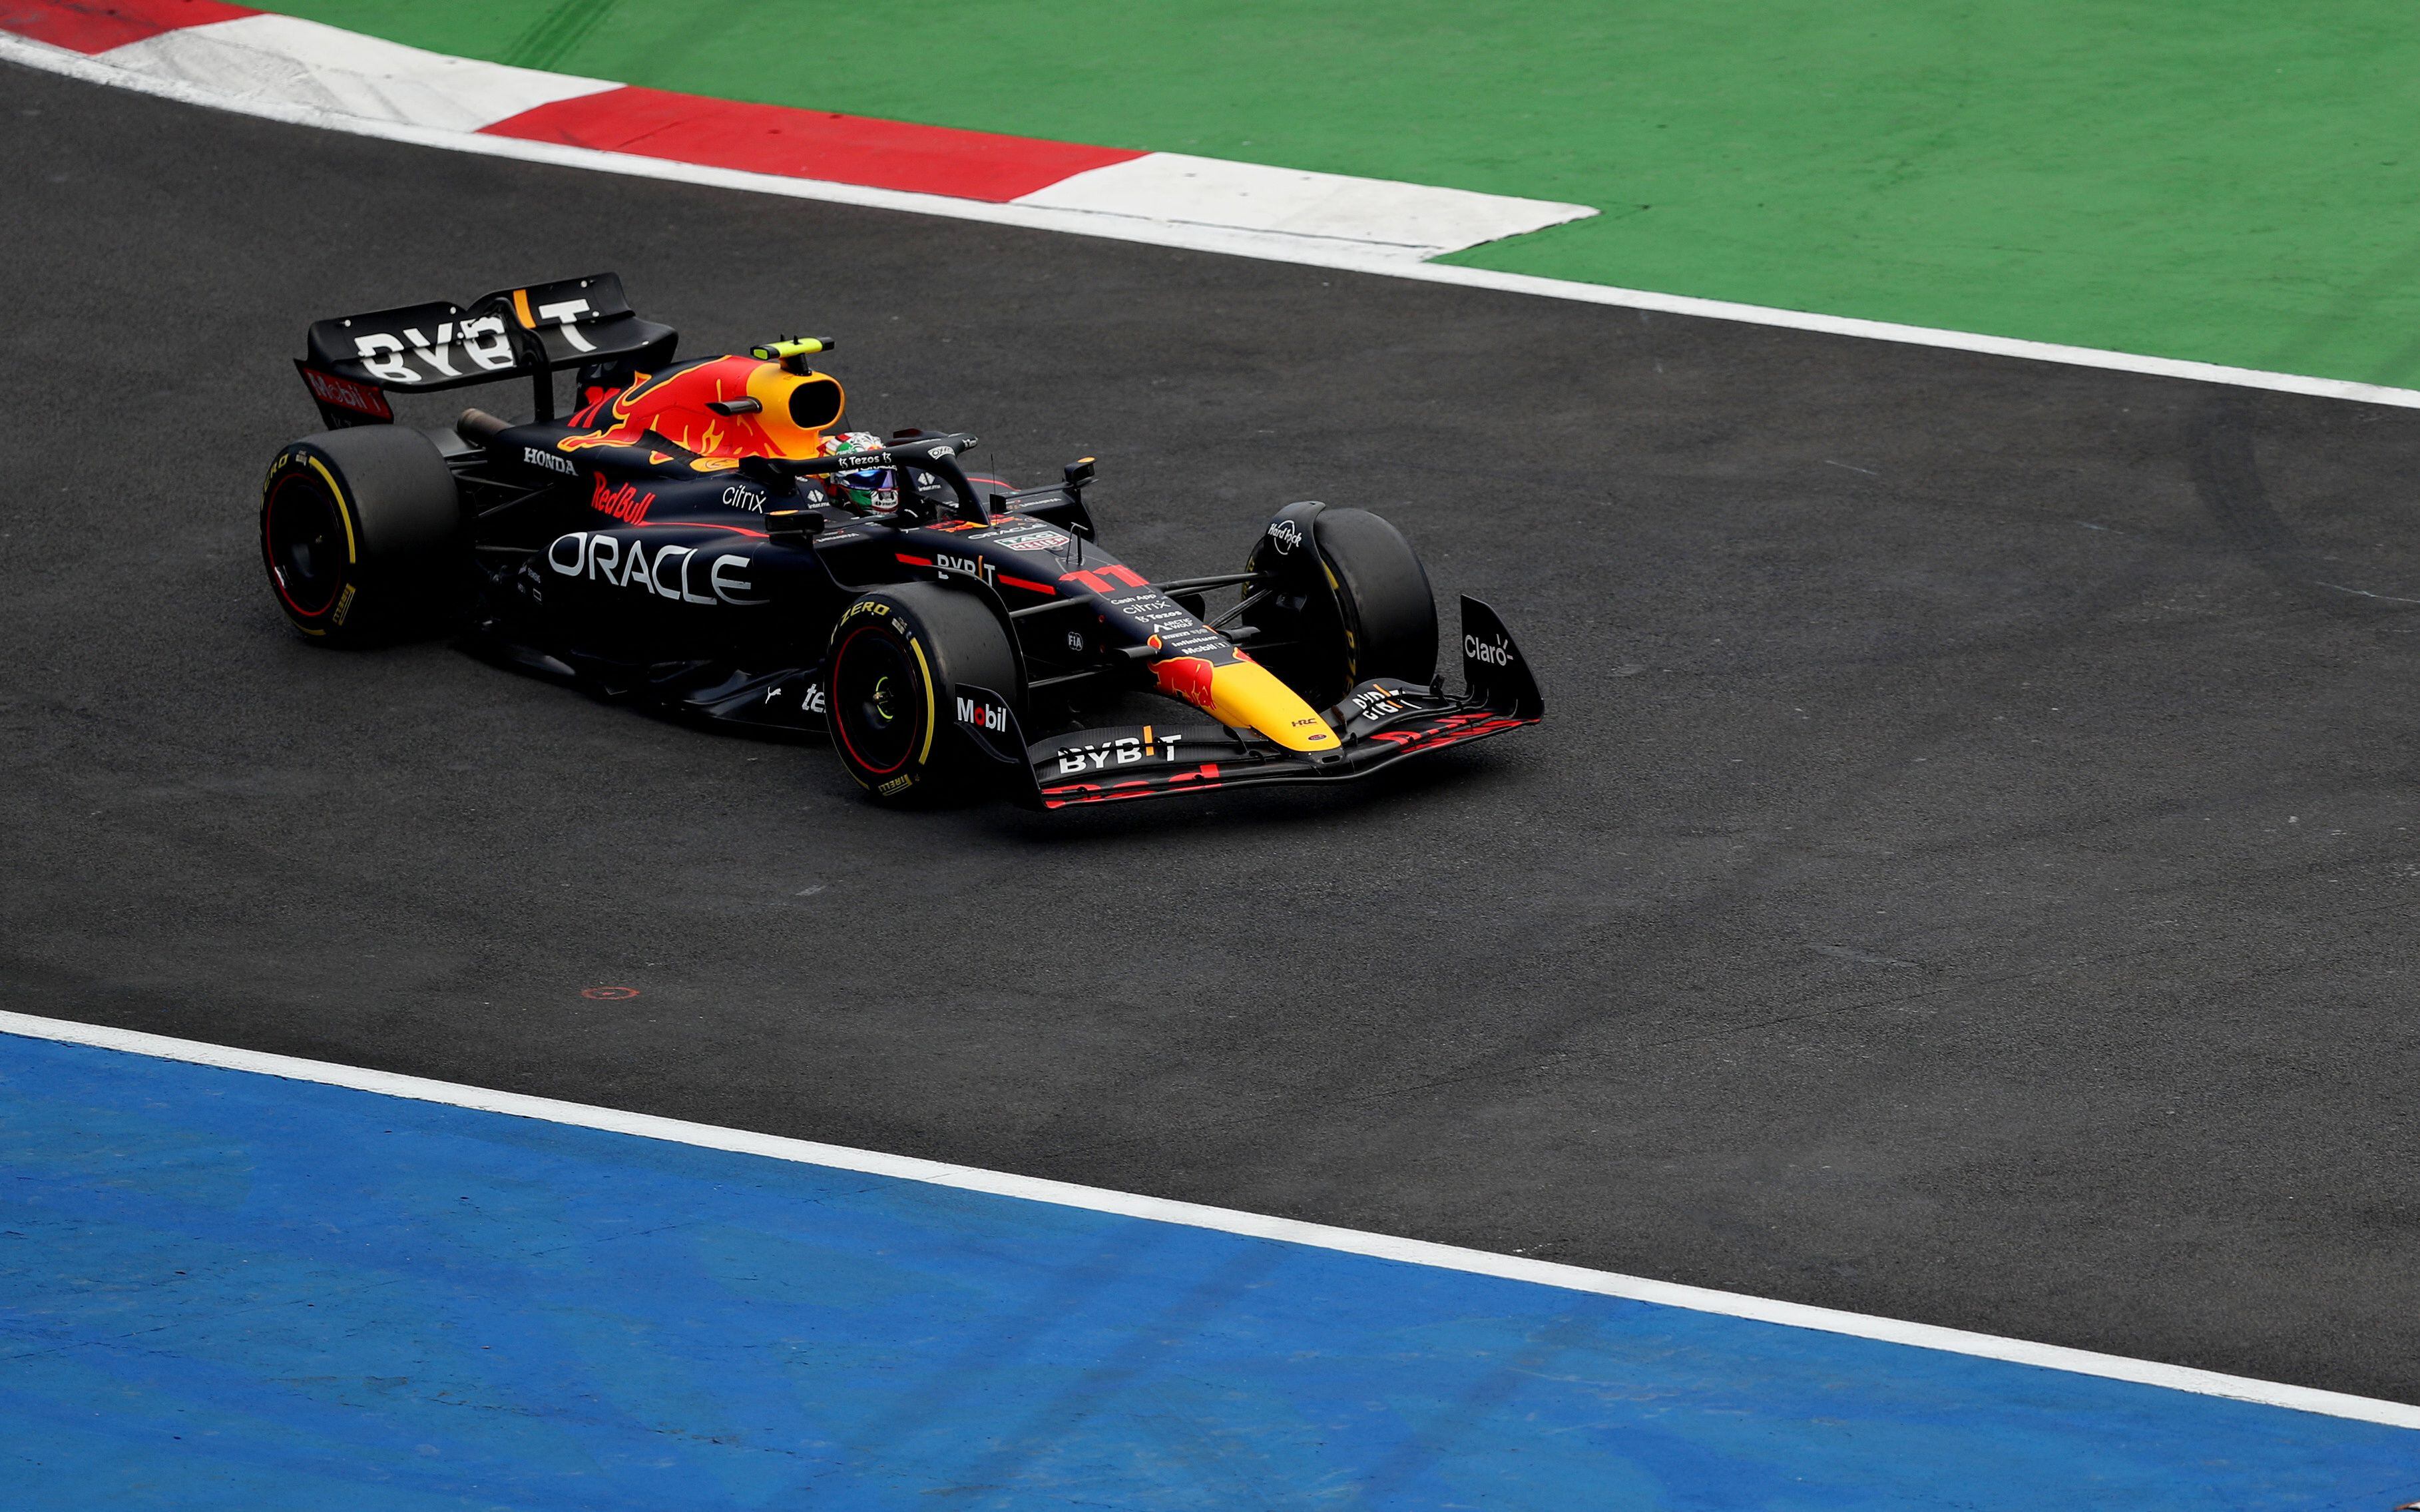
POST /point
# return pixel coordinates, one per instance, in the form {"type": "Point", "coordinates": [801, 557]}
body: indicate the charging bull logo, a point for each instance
{"type": "Point", "coordinates": [1186, 676]}
{"type": "Point", "coordinates": [721, 411]}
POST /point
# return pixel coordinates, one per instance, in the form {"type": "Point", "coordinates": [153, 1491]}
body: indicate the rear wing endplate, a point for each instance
{"type": "Point", "coordinates": [355, 361]}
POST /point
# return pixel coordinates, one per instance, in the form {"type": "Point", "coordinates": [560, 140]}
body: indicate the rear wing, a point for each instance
{"type": "Point", "coordinates": [355, 361]}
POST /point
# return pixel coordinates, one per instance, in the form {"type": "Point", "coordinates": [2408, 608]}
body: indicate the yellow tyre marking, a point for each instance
{"type": "Point", "coordinates": [344, 510]}
{"type": "Point", "coordinates": [1351, 647]}
{"type": "Point", "coordinates": [930, 722]}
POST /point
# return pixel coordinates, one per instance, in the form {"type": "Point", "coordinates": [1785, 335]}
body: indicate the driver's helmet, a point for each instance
{"type": "Point", "coordinates": [872, 490]}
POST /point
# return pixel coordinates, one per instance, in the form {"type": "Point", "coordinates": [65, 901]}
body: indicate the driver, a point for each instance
{"type": "Point", "coordinates": [867, 491]}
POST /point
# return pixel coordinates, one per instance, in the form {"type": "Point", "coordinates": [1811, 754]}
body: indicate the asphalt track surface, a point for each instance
{"type": "Point", "coordinates": [1967, 874]}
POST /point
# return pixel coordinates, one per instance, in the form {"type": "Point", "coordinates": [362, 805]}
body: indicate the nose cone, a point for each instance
{"type": "Point", "coordinates": [1248, 696]}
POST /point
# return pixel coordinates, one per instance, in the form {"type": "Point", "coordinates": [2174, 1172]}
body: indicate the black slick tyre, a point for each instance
{"type": "Point", "coordinates": [1388, 613]}
{"type": "Point", "coordinates": [898, 657]}
{"type": "Point", "coordinates": [361, 531]}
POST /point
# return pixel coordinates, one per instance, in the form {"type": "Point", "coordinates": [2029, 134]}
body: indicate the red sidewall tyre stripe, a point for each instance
{"type": "Point", "coordinates": [269, 551]}
{"type": "Point", "coordinates": [840, 724]}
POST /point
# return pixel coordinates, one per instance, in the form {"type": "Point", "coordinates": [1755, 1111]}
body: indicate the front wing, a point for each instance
{"type": "Point", "coordinates": [1381, 722]}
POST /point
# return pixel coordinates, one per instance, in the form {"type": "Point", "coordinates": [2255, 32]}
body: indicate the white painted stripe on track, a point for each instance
{"type": "Point", "coordinates": [288, 68]}
{"type": "Point", "coordinates": [1223, 1220]}
{"type": "Point", "coordinates": [1389, 219]}
{"type": "Point", "coordinates": [1307, 249]}
{"type": "Point", "coordinates": [288, 61]}
{"type": "Point", "coordinates": [1299, 247]}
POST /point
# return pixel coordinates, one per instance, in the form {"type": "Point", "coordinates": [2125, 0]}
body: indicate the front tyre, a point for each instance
{"type": "Point", "coordinates": [361, 532]}
{"type": "Point", "coordinates": [1358, 606]}
{"type": "Point", "coordinates": [1389, 612]}
{"type": "Point", "coordinates": [898, 656]}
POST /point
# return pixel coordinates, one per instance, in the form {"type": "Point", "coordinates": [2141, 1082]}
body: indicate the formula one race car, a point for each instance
{"type": "Point", "coordinates": [700, 536]}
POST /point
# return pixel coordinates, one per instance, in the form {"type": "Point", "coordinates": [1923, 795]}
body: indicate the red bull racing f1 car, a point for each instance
{"type": "Point", "coordinates": [703, 537]}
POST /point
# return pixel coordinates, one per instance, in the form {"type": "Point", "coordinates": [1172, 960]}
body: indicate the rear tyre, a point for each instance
{"type": "Point", "coordinates": [361, 531]}
{"type": "Point", "coordinates": [898, 657]}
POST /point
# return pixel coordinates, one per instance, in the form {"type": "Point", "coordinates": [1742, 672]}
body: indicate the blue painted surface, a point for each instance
{"type": "Point", "coordinates": [227, 1290]}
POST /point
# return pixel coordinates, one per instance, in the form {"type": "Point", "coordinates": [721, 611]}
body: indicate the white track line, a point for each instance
{"type": "Point", "coordinates": [1397, 222]}
{"type": "Point", "coordinates": [288, 68]}
{"type": "Point", "coordinates": [285, 59]}
{"type": "Point", "coordinates": [1274, 245]}
{"type": "Point", "coordinates": [1225, 1221]}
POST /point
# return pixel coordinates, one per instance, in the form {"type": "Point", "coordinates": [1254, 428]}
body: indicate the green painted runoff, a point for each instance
{"type": "Point", "coordinates": [2232, 180]}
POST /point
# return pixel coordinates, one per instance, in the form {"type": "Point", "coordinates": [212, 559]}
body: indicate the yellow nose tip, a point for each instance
{"type": "Point", "coordinates": [1248, 695]}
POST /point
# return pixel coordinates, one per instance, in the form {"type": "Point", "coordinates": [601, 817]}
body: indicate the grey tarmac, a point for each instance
{"type": "Point", "coordinates": [1967, 874]}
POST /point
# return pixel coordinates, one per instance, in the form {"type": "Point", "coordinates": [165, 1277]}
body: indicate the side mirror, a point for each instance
{"type": "Point", "coordinates": [776, 483]}
{"type": "Point", "coordinates": [793, 527]}
{"type": "Point", "coordinates": [1078, 474]}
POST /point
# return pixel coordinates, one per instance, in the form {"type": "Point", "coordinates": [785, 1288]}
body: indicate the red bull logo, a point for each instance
{"type": "Point", "coordinates": [625, 503]}
{"type": "Point", "coordinates": [1187, 677]}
